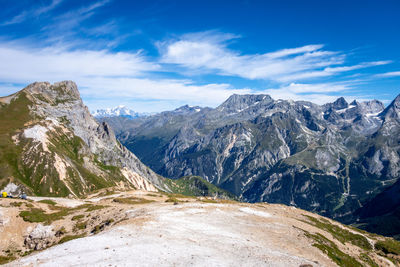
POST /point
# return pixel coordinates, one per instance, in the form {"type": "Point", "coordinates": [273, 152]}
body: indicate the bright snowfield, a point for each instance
{"type": "Point", "coordinates": [190, 234]}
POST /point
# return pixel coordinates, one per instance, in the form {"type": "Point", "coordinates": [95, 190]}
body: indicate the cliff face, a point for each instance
{"type": "Point", "coordinates": [52, 145]}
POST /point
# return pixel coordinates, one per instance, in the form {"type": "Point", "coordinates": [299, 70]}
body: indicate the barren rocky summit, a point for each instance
{"type": "Point", "coordinates": [138, 228]}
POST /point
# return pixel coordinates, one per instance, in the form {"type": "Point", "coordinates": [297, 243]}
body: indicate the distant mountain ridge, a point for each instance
{"type": "Point", "coordinates": [331, 159]}
{"type": "Point", "coordinates": [118, 111]}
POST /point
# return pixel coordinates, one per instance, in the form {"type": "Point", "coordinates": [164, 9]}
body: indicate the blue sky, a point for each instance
{"type": "Point", "coordinates": [158, 55]}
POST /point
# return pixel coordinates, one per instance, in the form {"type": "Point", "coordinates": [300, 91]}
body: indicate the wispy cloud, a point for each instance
{"type": "Point", "coordinates": [319, 93]}
{"type": "Point", "coordinates": [117, 76]}
{"type": "Point", "coordinates": [102, 74]}
{"type": "Point", "coordinates": [329, 71]}
{"type": "Point", "coordinates": [389, 74]}
{"type": "Point", "coordinates": [32, 13]}
{"type": "Point", "coordinates": [21, 64]}
{"type": "Point", "coordinates": [209, 51]}
{"type": "Point", "coordinates": [69, 20]}
{"type": "Point", "coordinates": [185, 91]}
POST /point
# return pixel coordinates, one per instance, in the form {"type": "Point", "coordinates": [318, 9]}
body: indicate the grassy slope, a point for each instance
{"type": "Point", "coordinates": [196, 186]}
{"type": "Point", "coordinates": [35, 168]}
{"type": "Point", "coordinates": [13, 116]}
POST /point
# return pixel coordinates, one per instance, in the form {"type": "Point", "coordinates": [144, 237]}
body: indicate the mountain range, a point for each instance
{"type": "Point", "coordinates": [52, 146]}
{"type": "Point", "coordinates": [338, 159]}
{"type": "Point", "coordinates": [118, 111]}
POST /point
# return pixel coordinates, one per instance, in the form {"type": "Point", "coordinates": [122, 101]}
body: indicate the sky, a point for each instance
{"type": "Point", "coordinates": [158, 55]}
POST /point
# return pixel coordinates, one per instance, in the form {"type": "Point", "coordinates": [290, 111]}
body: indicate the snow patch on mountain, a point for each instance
{"type": "Point", "coordinates": [119, 111]}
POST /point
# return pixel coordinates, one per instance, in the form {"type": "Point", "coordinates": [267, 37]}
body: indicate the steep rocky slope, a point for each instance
{"type": "Point", "coordinates": [51, 145]}
{"type": "Point", "coordinates": [331, 159]}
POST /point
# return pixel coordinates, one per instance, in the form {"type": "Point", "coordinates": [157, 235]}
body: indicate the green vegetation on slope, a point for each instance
{"type": "Point", "coordinates": [196, 186]}
{"type": "Point", "coordinates": [132, 200]}
{"type": "Point", "coordinates": [23, 162]}
{"type": "Point", "coordinates": [333, 252]}
{"type": "Point", "coordinates": [13, 117]}
{"type": "Point", "coordinates": [341, 234]}
{"type": "Point", "coordinates": [388, 246]}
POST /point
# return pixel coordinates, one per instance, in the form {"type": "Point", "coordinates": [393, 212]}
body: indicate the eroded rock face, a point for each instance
{"type": "Point", "coordinates": [40, 237]}
{"type": "Point", "coordinates": [64, 150]}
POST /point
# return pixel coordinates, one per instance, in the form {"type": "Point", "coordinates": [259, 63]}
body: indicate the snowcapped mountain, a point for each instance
{"type": "Point", "coordinates": [119, 111]}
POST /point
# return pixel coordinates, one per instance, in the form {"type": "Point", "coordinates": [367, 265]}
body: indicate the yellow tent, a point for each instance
{"type": "Point", "coordinates": [4, 194]}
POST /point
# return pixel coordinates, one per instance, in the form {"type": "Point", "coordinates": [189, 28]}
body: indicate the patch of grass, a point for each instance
{"type": "Point", "coordinates": [29, 205]}
{"type": "Point", "coordinates": [340, 233]}
{"type": "Point", "coordinates": [132, 200]}
{"type": "Point", "coordinates": [26, 253]}
{"type": "Point", "coordinates": [229, 201]}
{"type": "Point", "coordinates": [16, 204]}
{"type": "Point", "coordinates": [172, 199]}
{"type": "Point", "coordinates": [107, 192]}
{"type": "Point", "coordinates": [97, 229]}
{"type": "Point", "coordinates": [5, 259]}
{"type": "Point", "coordinates": [207, 200]}
{"type": "Point", "coordinates": [176, 195]}
{"type": "Point", "coordinates": [95, 207]}
{"type": "Point", "coordinates": [48, 201]}
{"type": "Point", "coordinates": [83, 206]}
{"type": "Point", "coordinates": [365, 258]}
{"type": "Point", "coordinates": [388, 246]}
{"type": "Point", "coordinates": [196, 186]}
{"type": "Point", "coordinates": [70, 237]}
{"type": "Point", "coordinates": [39, 215]}
{"type": "Point", "coordinates": [153, 195]}
{"type": "Point", "coordinates": [80, 226]}
{"type": "Point", "coordinates": [333, 252]}
{"type": "Point", "coordinates": [77, 217]}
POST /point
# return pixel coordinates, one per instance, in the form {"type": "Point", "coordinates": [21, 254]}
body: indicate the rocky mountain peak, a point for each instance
{"type": "Point", "coordinates": [354, 103]}
{"type": "Point", "coordinates": [393, 110]}
{"type": "Point", "coordinates": [373, 106]}
{"type": "Point", "coordinates": [396, 101]}
{"type": "Point", "coordinates": [58, 92]}
{"type": "Point", "coordinates": [187, 108]}
{"type": "Point", "coordinates": [239, 102]}
{"type": "Point", "coordinates": [340, 103]}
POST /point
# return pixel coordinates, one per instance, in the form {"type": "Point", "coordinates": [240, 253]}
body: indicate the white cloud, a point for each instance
{"type": "Point", "coordinates": [389, 74]}
{"type": "Point", "coordinates": [329, 71]}
{"type": "Point", "coordinates": [26, 14]}
{"type": "Point", "coordinates": [318, 93]}
{"type": "Point", "coordinates": [102, 74]}
{"type": "Point", "coordinates": [172, 90]}
{"type": "Point", "coordinates": [209, 51]}
{"type": "Point", "coordinates": [22, 64]}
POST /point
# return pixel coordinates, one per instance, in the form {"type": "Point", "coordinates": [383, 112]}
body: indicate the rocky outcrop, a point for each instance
{"type": "Point", "coordinates": [61, 150]}
{"type": "Point", "coordinates": [40, 237]}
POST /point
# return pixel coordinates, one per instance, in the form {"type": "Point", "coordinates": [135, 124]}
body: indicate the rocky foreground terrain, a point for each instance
{"type": "Point", "coordinates": [138, 228]}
